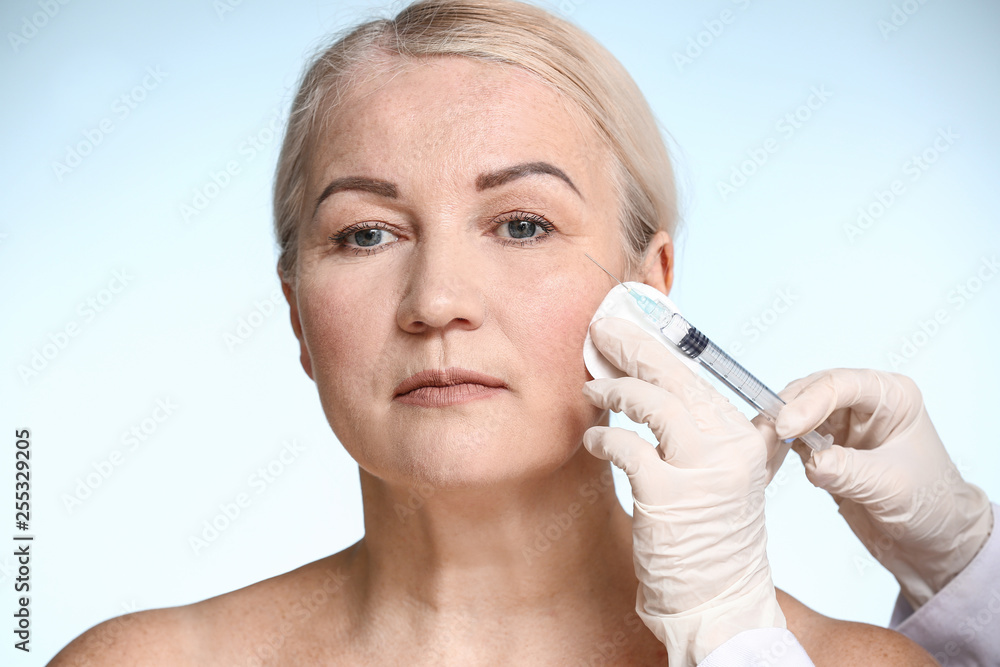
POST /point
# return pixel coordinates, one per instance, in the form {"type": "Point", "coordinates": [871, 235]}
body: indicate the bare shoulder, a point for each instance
{"type": "Point", "coordinates": [153, 637]}
{"type": "Point", "coordinates": [832, 642]}
{"type": "Point", "coordinates": [265, 620]}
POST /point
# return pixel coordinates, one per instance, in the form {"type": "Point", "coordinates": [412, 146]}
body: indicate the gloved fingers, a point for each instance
{"type": "Point", "coordinates": [804, 451]}
{"type": "Point", "coordinates": [626, 450]}
{"type": "Point", "coordinates": [641, 356]}
{"type": "Point", "coordinates": [776, 447]}
{"type": "Point", "coordinates": [795, 387]}
{"type": "Point", "coordinates": [837, 471]}
{"type": "Point", "coordinates": [858, 389]}
{"type": "Point", "coordinates": [667, 417]}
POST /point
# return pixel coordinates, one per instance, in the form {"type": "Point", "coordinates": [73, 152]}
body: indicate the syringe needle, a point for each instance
{"type": "Point", "coordinates": [606, 271]}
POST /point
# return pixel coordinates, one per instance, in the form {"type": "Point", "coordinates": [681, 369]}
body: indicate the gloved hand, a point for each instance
{"type": "Point", "coordinates": [699, 542]}
{"type": "Point", "coordinates": [890, 474]}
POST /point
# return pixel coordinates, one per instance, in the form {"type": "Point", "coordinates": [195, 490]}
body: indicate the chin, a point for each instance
{"type": "Point", "coordinates": [462, 460]}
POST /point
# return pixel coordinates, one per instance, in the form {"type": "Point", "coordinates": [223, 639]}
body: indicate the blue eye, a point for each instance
{"type": "Point", "coordinates": [368, 237]}
{"type": "Point", "coordinates": [364, 236]}
{"type": "Point", "coordinates": [524, 229]}
{"type": "Point", "coordinates": [521, 228]}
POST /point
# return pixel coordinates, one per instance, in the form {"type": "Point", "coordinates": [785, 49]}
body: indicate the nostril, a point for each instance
{"type": "Point", "coordinates": [445, 297]}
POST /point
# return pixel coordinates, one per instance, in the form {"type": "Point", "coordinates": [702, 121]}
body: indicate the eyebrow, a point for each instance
{"type": "Point", "coordinates": [360, 183]}
{"type": "Point", "coordinates": [497, 178]}
{"type": "Point", "coordinates": [485, 181]}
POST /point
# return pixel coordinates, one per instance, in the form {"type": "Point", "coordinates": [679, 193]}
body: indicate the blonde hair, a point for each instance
{"type": "Point", "coordinates": [495, 31]}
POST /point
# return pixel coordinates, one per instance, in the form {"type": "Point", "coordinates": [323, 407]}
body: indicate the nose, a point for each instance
{"type": "Point", "coordinates": [444, 289]}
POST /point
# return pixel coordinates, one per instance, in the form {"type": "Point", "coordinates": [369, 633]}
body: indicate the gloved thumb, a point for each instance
{"type": "Point", "coordinates": [807, 408]}
{"type": "Point", "coordinates": [637, 458]}
{"type": "Point", "coordinates": [776, 449]}
{"type": "Point", "coordinates": [799, 417]}
{"type": "Point", "coordinates": [835, 470]}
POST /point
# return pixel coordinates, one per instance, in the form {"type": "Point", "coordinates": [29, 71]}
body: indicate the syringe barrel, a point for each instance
{"type": "Point", "coordinates": [697, 346]}
{"type": "Point", "coordinates": [740, 380]}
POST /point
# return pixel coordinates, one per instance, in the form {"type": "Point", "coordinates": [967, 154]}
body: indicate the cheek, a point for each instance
{"type": "Point", "coordinates": [341, 330]}
{"type": "Point", "coordinates": [555, 322]}
{"type": "Point", "coordinates": [326, 318]}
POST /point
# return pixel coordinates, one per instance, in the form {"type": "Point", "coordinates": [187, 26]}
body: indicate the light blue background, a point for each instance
{"type": "Point", "coordinates": [228, 77]}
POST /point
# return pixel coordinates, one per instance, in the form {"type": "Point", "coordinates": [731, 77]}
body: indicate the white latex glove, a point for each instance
{"type": "Point", "coordinates": [890, 475]}
{"type": "Point", "coordinates": [618, 303]}
{"type": "Point", "coordinates": [699, 542]}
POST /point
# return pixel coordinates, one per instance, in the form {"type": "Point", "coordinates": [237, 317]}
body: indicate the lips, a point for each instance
{"type": "Point", "coordinates": [445, 378]}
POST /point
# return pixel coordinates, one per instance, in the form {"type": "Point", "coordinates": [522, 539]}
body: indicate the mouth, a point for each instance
{"type": "Point", "coordinates": [439, 388]}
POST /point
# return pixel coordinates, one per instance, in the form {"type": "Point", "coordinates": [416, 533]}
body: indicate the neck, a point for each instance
{"type": "Point", "coordinates": [559, 542]}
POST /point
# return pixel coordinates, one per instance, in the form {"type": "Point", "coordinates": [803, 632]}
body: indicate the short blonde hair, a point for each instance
{"type": "Point", "coordinates": [495, 31]}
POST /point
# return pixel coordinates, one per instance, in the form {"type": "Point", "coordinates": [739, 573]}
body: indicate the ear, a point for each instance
{"type": "Point", "coordinates": [289, 291]}
{"type": "Point", "coordinates": [658, 264]}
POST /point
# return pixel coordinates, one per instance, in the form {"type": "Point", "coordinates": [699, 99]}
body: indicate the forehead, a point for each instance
{"type": "Point", "coordinates": [454, 114]}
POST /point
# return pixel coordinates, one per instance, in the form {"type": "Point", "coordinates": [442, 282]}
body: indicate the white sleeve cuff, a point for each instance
{"type": "Point", "coordinates": [960, 625]}
{"type": "Point", "coordinates": [760, 647]}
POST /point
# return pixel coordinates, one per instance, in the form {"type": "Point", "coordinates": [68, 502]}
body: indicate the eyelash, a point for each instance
{"type": "Point", "coordinates": [340, 238]}
{"type": "Point", "coordinates": [521, 216]}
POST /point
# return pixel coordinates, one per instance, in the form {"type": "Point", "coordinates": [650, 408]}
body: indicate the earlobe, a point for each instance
{"type": "Point", "coordinates": [293, 309]}
{"type": "Point", "coordinates": [658, 264]}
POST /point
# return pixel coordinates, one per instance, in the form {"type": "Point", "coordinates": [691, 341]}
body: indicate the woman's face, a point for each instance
{"type": "Point", "coordinates": [461, 197]}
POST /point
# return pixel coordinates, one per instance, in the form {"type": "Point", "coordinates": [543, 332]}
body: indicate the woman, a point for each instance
{"type": "Point", "coordinates": [441, 178]}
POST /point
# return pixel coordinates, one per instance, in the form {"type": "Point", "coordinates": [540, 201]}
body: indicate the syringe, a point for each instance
{"type": "Point", "coordinates": [696, 345]}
